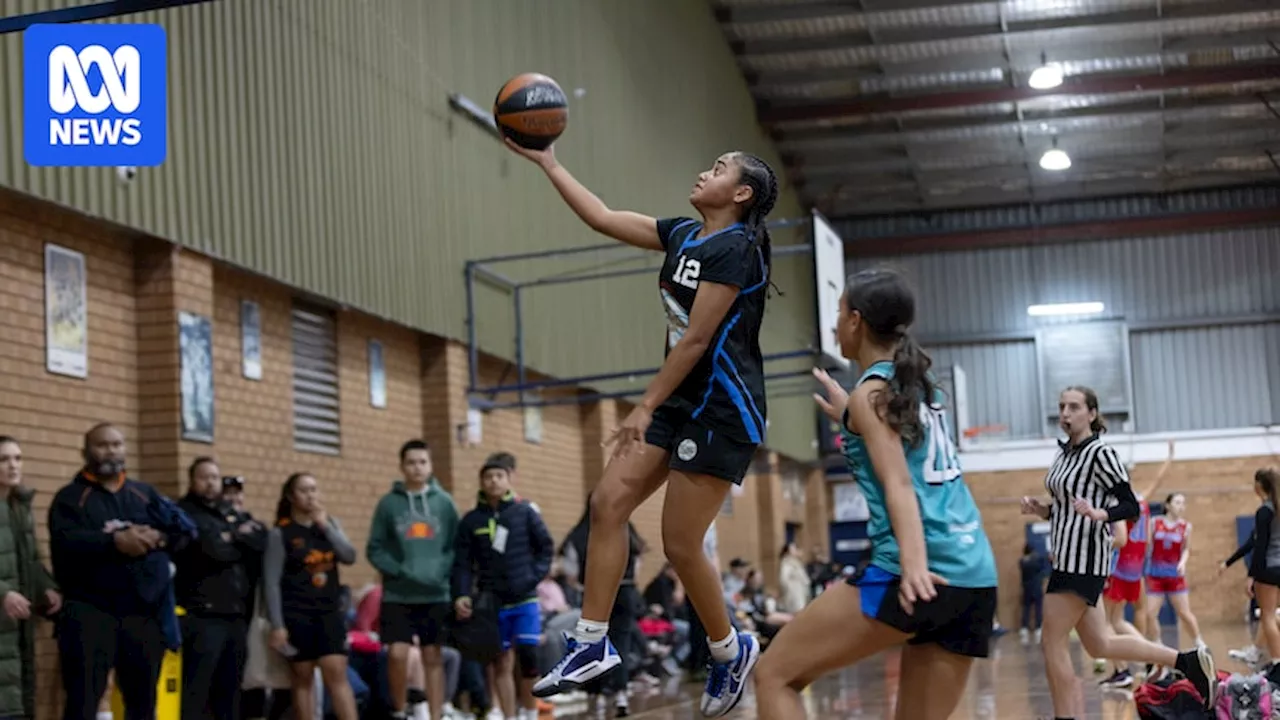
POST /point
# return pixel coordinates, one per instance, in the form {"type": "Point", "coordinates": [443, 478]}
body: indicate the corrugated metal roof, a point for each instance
{"type": "Point", "coordinates": [953, 77]}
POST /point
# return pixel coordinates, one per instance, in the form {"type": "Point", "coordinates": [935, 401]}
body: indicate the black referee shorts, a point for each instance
{"type": "Point", "coordinates": [1086, 587]}
{"type": "Point", "coordinates": [696, 448]}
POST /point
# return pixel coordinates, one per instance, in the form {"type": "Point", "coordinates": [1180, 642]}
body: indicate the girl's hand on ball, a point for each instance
{"type": "Point", "coordinates": [545, 158]}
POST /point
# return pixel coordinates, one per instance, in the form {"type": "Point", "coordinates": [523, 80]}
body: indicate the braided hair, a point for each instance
{"type": "Point", "coordinates": [756, 173]}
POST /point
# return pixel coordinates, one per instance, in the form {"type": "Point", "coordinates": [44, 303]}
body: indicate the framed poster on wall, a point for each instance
{"type": "Point", "coordinates": [250, 340]}
{"type": "Point", "coordinates": [66, 311]}
{"type": "Point", "coordinates": [195, 347]}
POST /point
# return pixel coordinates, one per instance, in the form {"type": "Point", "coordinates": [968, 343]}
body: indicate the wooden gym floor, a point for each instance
{"type": "Point", "coordinates": [1008, 686]}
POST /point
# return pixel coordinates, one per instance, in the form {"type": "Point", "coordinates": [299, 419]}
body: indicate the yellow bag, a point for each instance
{"type": "Point", "coordinates": [168, 689]}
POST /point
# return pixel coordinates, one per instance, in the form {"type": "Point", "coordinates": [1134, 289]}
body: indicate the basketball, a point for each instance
{"type": "Point", "coordinates": [531, 109]}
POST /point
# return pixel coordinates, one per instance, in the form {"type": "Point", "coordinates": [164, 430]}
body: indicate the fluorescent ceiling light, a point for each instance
{"type": "Point", "coordinates": [1080, 308]}
{"type": "Point", "coordinates": [1055, 160]}
{"type": "Point", "coordinates": [1045, 77]}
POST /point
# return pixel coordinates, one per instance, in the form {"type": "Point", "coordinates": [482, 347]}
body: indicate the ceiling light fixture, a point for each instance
{"type": "Point", "coordinates": [1045, 77]}
{"type": "Point", "coordinates": [1078, 308]}
{"type": "Point", "coordinates": [1055, 160]}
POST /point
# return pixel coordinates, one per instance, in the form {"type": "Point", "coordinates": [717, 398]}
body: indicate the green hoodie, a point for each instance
{"type": "Point", "coordinates": [411, 544]}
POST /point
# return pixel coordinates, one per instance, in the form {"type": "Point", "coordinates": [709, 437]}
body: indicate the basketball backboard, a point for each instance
{"type": "Point", "coordinates": [828, 282]}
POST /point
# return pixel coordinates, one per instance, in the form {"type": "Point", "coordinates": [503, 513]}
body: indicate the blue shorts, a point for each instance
{"type": "Point", "coordinates": [520, 624]}
{"type": "Point", "coordinates": [959, 620]}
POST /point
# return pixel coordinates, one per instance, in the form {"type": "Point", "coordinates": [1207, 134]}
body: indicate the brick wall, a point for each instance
{"type": "Point", "coordinates": [1217, 492]}
{"type": "Point", "coordinates": [136, 288]}
{"type": "Point", "coordinates": [49, 413]}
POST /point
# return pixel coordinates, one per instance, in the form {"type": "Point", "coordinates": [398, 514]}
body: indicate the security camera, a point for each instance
{"type": "Point", "coordinates": [126, 173]}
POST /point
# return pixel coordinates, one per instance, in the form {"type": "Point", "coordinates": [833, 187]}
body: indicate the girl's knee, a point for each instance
{"type": "Point", "coordinates": [680, 549]}
{"type": "Point", "coordinates": [773, 675]}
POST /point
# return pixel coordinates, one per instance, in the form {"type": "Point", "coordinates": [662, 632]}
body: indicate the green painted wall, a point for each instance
{"type": "Point", "coordinates": [312, 141]}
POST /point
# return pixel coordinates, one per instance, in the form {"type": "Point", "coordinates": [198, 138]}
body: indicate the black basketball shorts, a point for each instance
{"type": "Point", "coordinates": [696, 448]}
{"type": "Point", "coordinates": [959, 620]}
{"type": "Point", "coordinates": [314, 636]}
{"type": "Point", "coordinates": [401, 623]}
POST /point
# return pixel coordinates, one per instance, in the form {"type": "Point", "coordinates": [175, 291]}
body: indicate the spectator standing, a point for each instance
{"type": "Point", "coordinates": [793, 580]}
{"type": "Point", "coordinates": [411, 544]}
{"type": "Point", "coordinates": [304, 598]}
{"type": "Point", "coordinates": [109, 538]}
{"type": "Point", "coordinates": [26, 587]}
{"type": "Point", "coordinates": [212, 585]}
{"type": "Point", "coordinates": [503, 548]}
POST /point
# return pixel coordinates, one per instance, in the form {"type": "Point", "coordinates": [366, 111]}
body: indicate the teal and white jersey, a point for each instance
{"type": "Point", "coordinates": [957, 544]}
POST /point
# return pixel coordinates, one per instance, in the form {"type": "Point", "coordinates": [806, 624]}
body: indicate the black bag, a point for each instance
{"type": "Point", "coordinates": [478, 638]}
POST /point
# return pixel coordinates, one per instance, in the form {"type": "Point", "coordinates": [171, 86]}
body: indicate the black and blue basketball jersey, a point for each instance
{"type": "Point", "coordinates": [725, 390]}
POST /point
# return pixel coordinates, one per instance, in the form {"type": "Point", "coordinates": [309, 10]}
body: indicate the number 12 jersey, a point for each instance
{"type": "Point", "coordinates": [725, 390]}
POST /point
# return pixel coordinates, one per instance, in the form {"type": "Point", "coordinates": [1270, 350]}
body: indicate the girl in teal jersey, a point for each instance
{"type": "Point", "coordinates": [931, 581]}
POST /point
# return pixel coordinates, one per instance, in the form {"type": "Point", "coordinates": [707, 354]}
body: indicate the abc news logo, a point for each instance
{"type": "Point", "coordinates": [69, 90]}
{"type": "Point", "coordinates": [95, 95]}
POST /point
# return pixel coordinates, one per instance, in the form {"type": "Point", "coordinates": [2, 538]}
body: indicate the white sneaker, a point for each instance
{"type": "Point", "coordinates": [1250, 655]}
{"type": "Point", "coordinates": [1024, 636]}
{"type": "Point", "coordinates": [728, 681]}
{"type": "Point", "coordinates": [1037, 636]}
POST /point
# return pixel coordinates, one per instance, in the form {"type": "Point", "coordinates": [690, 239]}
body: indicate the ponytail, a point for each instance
{"type": "Point", "coordinates": [757, 174]}
{"type": "Point", "coordinates": [758, 232]}
{"type": "Point", "coordinates": [284, 510]}
{"type": "Point", "coordinates": [1268, 478]}
{"type": "Point", "coordinates": [911, 385]}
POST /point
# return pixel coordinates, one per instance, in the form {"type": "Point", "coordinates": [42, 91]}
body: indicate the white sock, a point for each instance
{"type": "Point", "coordinates": [420, 712]}
{"type": "Point", "coordinates": [590, 632]}
{"type": "Point", "coordinates": [104, 716]}
{"type": "Point", "coordinates": [726, 650]}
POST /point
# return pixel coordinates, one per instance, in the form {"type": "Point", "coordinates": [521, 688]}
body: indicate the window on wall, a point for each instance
{"type": "Point", "coordinates": [316, 414]}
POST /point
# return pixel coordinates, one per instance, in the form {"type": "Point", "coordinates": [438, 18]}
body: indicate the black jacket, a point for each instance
{"type": "Point", "coordinates": [213, 572]}
{"type": "Point", "coordinates": [83, 518]}
{"type": "Point", "coordinates": [511, 572]}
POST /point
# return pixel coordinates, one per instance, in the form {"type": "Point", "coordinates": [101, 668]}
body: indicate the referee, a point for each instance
{"type": "Point", "coordinates": [1089, 490]}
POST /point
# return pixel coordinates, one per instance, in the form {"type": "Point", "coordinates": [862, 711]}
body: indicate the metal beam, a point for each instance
{"type": "Point", "coordinates": [1058, 234]}
{"type": "Point", "coordinates": [588, 379]}
{"type": "Point", "coordinates": [85, 13]}
{"type": "Point", "coordinates": [1048, 33]}
{"type": "Point", "coordinates": [1088, 85]}
{"type": "Point", "coordinates": [595, 397]}
{"type": "Point", "coordinates": [1136, 327]}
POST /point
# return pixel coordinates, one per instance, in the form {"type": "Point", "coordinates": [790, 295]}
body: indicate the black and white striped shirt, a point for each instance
{"type": "Point", "coordinates": [1090, 470]}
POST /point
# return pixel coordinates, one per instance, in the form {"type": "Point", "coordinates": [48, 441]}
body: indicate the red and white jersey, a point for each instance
{"type": "Point", "coordinates": [1168, 541]}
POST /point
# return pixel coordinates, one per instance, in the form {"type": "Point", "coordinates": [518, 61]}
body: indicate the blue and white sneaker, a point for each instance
{"type": "Point", "coordinates": [727, 681]}
{"type": "Point", "coordinates": [580, 665]}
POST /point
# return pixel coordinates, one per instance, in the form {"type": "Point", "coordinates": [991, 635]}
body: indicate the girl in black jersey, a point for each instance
{"type": "Point", "coordinates": [304, 603]}
{"type": "Point", "coordinates": [701, 418]}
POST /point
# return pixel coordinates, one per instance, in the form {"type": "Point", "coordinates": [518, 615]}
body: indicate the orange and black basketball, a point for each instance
{"type": "Point", "coordinates": [531, 109]}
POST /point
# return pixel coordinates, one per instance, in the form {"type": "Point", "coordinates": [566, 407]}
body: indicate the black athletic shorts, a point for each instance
{"type": "Point", "coordinates": [1268, 576]}
{"type": "Point", "coordinates": [959, 620]}
{"type": "Point", "coordinates": [1087, 587]}
{"type": "Point", "coordinates": [402, 623]}
{"type": "Point", "coordinates": [316, 636]}
{"type": "Point", "coordinates": [696, 448]}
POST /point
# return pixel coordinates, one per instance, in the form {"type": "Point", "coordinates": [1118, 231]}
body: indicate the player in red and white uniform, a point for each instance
{"type": "Point", "coordinates": [1124, 586]}
{"type": "Point", "coordinates": [1167, 568]}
